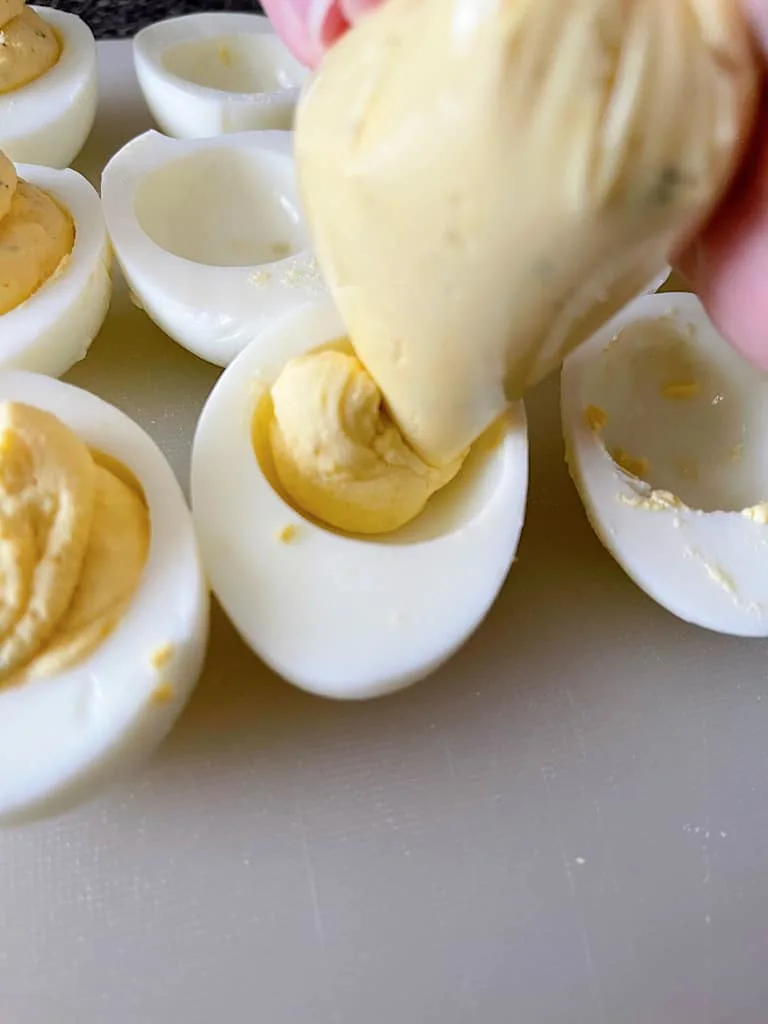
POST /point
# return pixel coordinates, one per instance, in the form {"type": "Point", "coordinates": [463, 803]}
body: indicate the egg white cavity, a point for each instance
{"type": "Point", "coordinates": [53, 329]}
{"type": "Point", "coordinates": [48, 120]}
{"type": "Point", "coordinates": [688, 521]}
{"type": "Point", "coordinates": [209, 235]}
{"type": "Point", "coordinates": [341, 616]}
{"type": "Point", "coordinates": [64, 737]}
{"type": "Point", "coordinates": [242, 214]}
{"type": "Point", "coordinates": [247, 63]}
{"type": "Point", "coordinates": [213, 73]}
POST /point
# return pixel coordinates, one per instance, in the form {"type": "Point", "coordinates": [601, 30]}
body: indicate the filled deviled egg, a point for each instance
{"type": "Point", "coordinates": [209, 235]}
{"type": "Point", "coordinates": [48, 84]}
{"type": "Point", "coordinates": [348, 564]}
{"type": "Point", "coordinates": [217, 72]}
{"type": "Point", "coordinates": [55, 267]}
{"type": "Point", "coordinates": [665, 428]}
{"type": "Point", "coordinates": [104, 611]}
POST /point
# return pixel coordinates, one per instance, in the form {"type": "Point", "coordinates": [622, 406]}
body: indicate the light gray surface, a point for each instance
{"type": "Point", "coordinates": [568, 825]}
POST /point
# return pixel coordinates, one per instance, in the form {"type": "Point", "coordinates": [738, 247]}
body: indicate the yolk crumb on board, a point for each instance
{"type": "Point", "coordinates": [287, 534]}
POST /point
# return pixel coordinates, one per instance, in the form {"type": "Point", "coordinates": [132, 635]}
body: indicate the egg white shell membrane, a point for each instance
{"type": "Point", "coordinates": [53, 329]}
{"type": "Point", "coordinates": [48, 120]}
{"type": "Point", "coordinates": [209, 236]}
{"type": "Point", "coordinates": [64, 737]}
{"type": "Point", "coordinates": [341, 616]}
{"type": "Point", "coordinates": [706, 562]}
{"type": "Point", "coordinates": [206, 74]}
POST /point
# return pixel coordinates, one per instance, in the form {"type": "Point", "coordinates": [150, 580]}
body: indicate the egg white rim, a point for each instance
{"type": "Point", "coordinates": [235, 567]}
{"type": "Point", "coordinates": [614, 500]}
{"type": "Point", "coordinates": [60, 86]}
{"type": "Point", "coordinates": [234, 286]}
{"type": "Point", "coordinates": [170, 607]}
{"type": "Point", "coordinates": [22, 325]}
{"type": "Point", "coordinates": [151, 42]}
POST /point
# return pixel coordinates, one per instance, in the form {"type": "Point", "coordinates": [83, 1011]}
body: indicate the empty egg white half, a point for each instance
{"type": "Point", "coordinates": [665, 428]}
{"type": "Point", "coordinates": [48, 120]}
{"type": "Point", "coordinates": [344, 616]}
{"type": "Point", "coordinates": [206, 74]}
{"type": "Point", "coordinates": [210, 237]}
{"type": "Point", "coordinates": [53, 329]}
{"type": "Point", "coordinates": [64, 737]}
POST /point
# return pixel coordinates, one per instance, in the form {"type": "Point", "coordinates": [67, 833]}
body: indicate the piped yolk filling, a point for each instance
{"type": "Point", "coordinates": [337, 454]}
{"type": "Point", "coordinates": [37, 236]}
{"type": "Point", "coordinates": [74, 539]}
{"type": "Point", "coordinates": [28, 45]}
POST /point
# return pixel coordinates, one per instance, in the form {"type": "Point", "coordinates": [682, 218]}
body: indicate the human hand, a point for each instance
{"type": "Point", "coordinates": [727, 265]}
{"type": "Point", "coordinates": [310, 27]}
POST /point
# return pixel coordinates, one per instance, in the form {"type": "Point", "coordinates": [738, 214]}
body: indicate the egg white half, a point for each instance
{"type": "Point", "coordinates": [48, 120]}
{"type": "Point", "coordinates": [341, 616]}
{"type": "Point", "coordinates": [64, 737]}
{"type": "Point", "coordinates": [53, 329]}
{"type": "Point", "coordinates": [209, 235]}
{"type": "Point", "coordinates": [215, 72]}
{"type": "Point", "coordinates": [692, 531]}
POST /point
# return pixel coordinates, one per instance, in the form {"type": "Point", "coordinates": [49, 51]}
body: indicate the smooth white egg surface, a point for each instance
{"type": "Point", "coordinates": [210, 237]}
{"type": "Point", "coordinates": [665, 428]}
{"type": "Point", "coordinates": [210, 73]}
{"type": "Point", "coordinates": [48, 120]}
{"type": "Point", "coordinates": [339, 615]}
{"type": "Point", "coordinates": [53, 329]}
{"type": "Point", "coordinates": [64, 736]}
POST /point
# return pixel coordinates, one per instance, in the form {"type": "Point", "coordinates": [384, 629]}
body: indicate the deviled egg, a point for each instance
{"type": "Point", "coordinates": [206, 74]}
{"type": "Point", "coordinates": [209, 236]}
{"type": "Point", "coordinates": [104, 612]}
{"type": "Point", "coordinates": [55, 267]}
{"type": "Point", "coordinates": [339, 614]}
{"type": "Point", "coordinates": [665, 428]}
{"type": "Point", "coordinates": [48, 84]}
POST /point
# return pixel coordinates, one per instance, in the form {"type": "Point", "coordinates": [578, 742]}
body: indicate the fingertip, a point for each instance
{"type": "Point", "coordinates": [733, 293]}
{"type": "Point", "coordinates": [307, 27]}
{"type": "Point", "coordinates": [727, 265]}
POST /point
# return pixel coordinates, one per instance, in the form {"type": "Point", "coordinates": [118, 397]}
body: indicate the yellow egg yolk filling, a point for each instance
{"type": "Point", "coordinates": [74, 539]}
{"type": "Point", "coordinates": [338, 455]}
{"type": "Point", "coordinates": [28, 45]}
{"type": "Point", "coordinates": [36, 237]}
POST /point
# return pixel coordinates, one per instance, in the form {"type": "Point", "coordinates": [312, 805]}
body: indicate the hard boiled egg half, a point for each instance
{"type": "Point", "coordinates": [91, 678]}
{"type": "Point", "coordinates": [210, 237]}
{"type": "Point", "coordinates": [205, 74]}
{"type": "Point", "coordinates": [340, 615]}
{"type": "Point", "coordinates": [55, 268]}
{"type": "Point", "coordinates": [48, 84]}
{"type": "Point", "coordinates": [665, 427]}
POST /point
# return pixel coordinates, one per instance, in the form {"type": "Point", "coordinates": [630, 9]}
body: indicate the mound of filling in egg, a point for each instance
{"type": "Point", "coordinates": [74, 539]}
{"type": "Point", "coordinates": [337, 453]}
{"type": "Point", "coordinates": [28, 45]}
{"type": "Point", "coordinates": [36, 237]}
